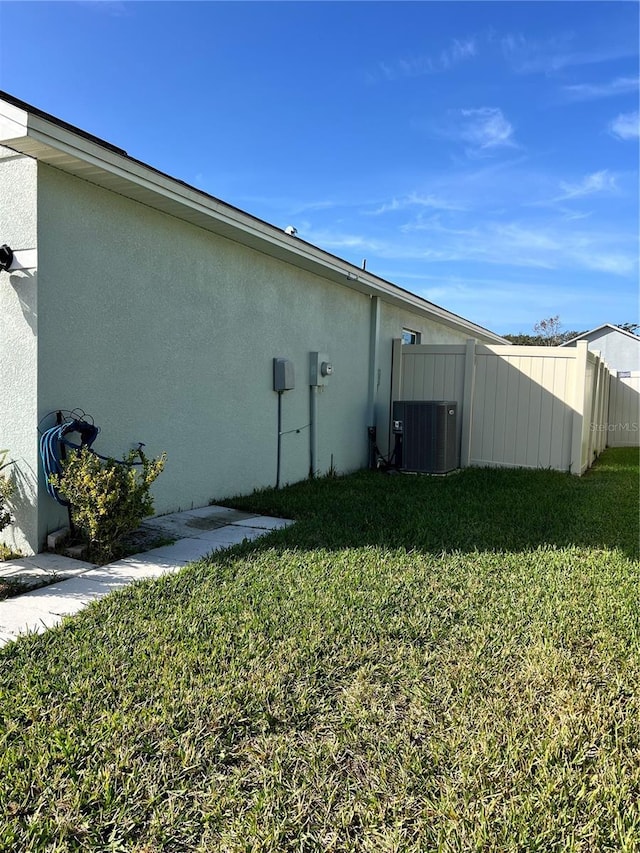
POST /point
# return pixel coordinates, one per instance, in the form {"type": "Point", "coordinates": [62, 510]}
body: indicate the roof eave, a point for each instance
{"type": "Point", "coordinates": [599, 328]}
{"type": "Point", "coordinates": [82, 155]}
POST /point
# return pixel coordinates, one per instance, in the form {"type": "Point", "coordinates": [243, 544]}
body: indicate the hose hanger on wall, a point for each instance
{"type": "Point", "coordinates": [17, 260]}
{"type": "Point", "coordinates": [6, 257]}
{"type": "Point", "coordinates": [55, 441]}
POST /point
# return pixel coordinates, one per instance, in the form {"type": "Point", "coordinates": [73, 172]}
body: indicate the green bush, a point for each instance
{"type": "Point", "coordinates": [6, 490]}
{"type": "Point", "coordinates": [108, 499]}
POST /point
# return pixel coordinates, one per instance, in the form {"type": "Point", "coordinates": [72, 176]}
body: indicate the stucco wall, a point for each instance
{"type": "Point", "coordinates": [18, 344]}
{"type": "Point", "coordinates": [166, 333]}
{"type": "Point", "coordinates": [618, 350]}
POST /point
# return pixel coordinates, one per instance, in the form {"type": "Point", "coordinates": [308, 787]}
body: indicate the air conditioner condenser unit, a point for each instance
{"type": "Point", "coordinates": [426, 438]}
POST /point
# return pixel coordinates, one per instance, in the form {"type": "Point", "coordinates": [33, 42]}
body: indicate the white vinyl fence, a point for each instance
{"type": "Point", "coordinates": [623, 427]}
{"type": "Point", "coordinates": [518, 406]}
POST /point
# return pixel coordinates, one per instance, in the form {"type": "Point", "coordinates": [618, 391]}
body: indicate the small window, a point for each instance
{"type": "Point", "coordinates": [410, 337]}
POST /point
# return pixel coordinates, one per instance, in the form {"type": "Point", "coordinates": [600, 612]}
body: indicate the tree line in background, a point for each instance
{"type": "Point", "coordinates": [548, 333]}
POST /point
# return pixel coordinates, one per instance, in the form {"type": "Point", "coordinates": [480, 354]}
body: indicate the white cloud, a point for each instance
{"type": "Point", "coordinates": [591, 91]}
{"type": "Point", "coordinates": [527, 56]}
{"type": "Point", "coordinates": [626, 126]}
{"type": "Point", "coordinates": [415, 200]}
{"type": "Point", "coordinates": [332, 240]}
{"type": "Point", "coordinates": [519, 295]}
{"type": "Point", "coordinates": [503, 215]}
{"type": "Point", "coordinates": [511, 303]}
{"type": "Point", "coordinates": [545, 246]}
{"type": "Point", "coordinates": [460, 50]}
{"type": "Point", "coordinates": [305, 206]}
{"type": "Point", "coordinates": [485, 128]}
{"type": "Point", "coordinates": [597, 182]}
{"type": "Point", "coordinates": [572, 215]}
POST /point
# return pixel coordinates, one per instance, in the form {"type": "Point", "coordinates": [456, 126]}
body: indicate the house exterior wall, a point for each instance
{"type": "Point", "coordinates": [165, 334]}
{"type": "Point", "coordinates": [620, 351]}
{"type": "Point", "coordinates": [18, 344]}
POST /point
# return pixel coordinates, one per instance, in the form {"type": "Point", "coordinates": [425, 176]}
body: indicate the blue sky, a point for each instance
{"type": "Point", "coordinates": [483, 155]}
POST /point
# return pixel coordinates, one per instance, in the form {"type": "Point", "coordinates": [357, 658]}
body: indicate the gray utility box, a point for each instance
{"type": "Point", "coordinates": [426, 436]}
{"type": "Point", "coordinates": [283, 375]}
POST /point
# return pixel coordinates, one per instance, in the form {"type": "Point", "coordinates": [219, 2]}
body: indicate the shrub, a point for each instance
{"type": "Point", "coordinates": [108, 499]}
{"type": "Point", "coordinates": [6, 490]}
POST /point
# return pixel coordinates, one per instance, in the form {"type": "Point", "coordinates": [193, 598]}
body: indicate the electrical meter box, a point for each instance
{"type": "Point", "coordinates": [283, 375]}
{"type": "Point", "coordinates": [321, 368]}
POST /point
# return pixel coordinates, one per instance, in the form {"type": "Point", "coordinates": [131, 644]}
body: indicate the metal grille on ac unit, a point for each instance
{"type": "Point", "coordinates": [425, 436]}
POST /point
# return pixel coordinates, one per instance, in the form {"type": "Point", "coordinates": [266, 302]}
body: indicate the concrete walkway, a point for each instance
{"type": "Point", "coordinates": [198, 532]}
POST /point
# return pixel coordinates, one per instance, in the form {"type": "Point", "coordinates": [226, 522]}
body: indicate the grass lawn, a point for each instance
{"type": "Point", "coordinates": [419, 664]}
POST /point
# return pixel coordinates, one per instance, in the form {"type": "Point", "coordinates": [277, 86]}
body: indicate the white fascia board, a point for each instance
{"type": "Point", "coordinates": [13, 122]}
{"type": "Point", "coordinates": [583, 335]}
{"type": "Point", "coordinates": [609, 326]}
{"type": "Point", "coordinates": [111, 168]}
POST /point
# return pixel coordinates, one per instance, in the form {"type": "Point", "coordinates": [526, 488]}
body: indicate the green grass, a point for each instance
{"type": "Point", "coordinates": [473, 510]}
{"type": "Point", "coordinates": [419, 664]}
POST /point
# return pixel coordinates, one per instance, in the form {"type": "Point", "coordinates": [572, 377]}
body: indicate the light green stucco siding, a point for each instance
{"type": "Point", "coordinates": [18, 345]}
{"type": "Point", "coordinates": [166, 333]}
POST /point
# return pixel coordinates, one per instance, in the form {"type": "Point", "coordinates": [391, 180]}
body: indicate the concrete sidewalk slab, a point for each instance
{"type": "Point", "coordinates": [33, 571]}
{"type": "Point", "coordinates": [21, 617]}
{"type": "Point", "coordinates": [199, 532]}
{"type": "Point", "coordinates": [63, 598]}
{"type": "Point", "coordinates": [230, 535]}
{"type": "Point", "coordinates": [116, 575]}
{"type": "Point", "coordinates": [182, 551]}
{"type": "Point", "coordinates": [46, 561]}
{"type": "Point", "coordinates": [263, 522]}
{"type": "Point", "coordinates": [189, 523]}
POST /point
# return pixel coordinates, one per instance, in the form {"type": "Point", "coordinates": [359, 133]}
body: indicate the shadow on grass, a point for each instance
{"type": "Point", "coordinates": [474, 509]}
